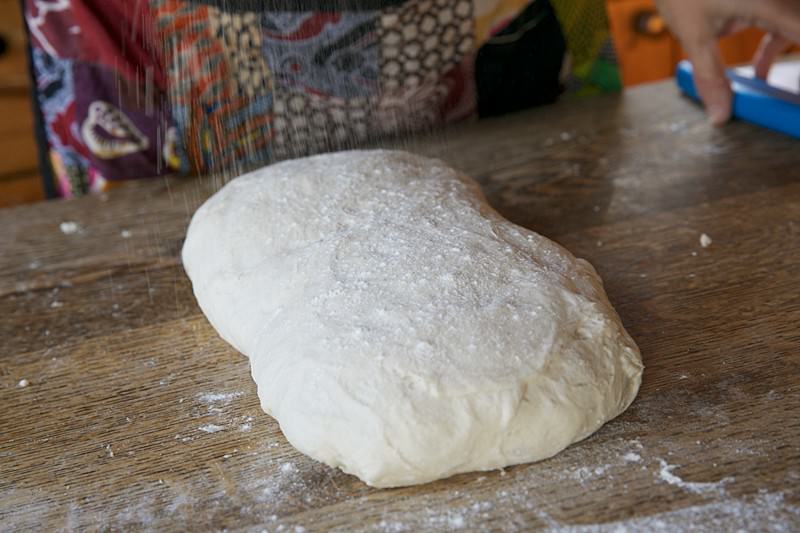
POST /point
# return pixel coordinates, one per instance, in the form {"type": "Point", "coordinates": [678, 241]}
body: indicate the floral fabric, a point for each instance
{"type": "Point", "coordinates": [142, 89]}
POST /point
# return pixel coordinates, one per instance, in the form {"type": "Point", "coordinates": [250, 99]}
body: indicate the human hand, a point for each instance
{"type": "Point", "coordinates": [771, 46]}
{"type": "Point", "coordinates": [699, 23]}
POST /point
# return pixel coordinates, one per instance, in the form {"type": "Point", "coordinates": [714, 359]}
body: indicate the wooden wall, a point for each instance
{"type": "Point", "coordinates": [19, 173]}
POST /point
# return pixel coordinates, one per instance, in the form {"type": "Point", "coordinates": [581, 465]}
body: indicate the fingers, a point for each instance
{"type": "Point", "coordinates": [776, 16]}
{"type": "Point", "coordinates": [695, 27]}
{"type": "Point", "coordinates": [709, 79]}
{"type": "Point", "coordinates": [771, 47]}
{"type": "Point", "coordinates": [697, 24]}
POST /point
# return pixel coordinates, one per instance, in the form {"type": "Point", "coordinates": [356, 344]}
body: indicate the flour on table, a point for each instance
{"type": "Point", "coordinates": [666, 474]}
{"type": "Point", "coordinates": [214, 397]}
{"type": "Point", "coordinates": [632, 457]}
{"type": "Point", "coordinates": [766, 511]}
{"type": "Point", "coordinates": [397, 326]}
{"type": "Point", "coordinates": [69, 227]}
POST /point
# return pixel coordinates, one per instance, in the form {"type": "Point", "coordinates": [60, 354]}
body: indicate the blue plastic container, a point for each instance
{"type": "Point", "coordinates": [754, 100]}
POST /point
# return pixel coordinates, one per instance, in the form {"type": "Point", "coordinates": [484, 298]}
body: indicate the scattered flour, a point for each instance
{"type": "Point", "coordinates": [767, 511]}
{"type": "Point", "coordinates": [774, 395]}
{"type": "Point", "coordinates": [23, 383]}
{"type": "Point", "coordinates": [632, 457]}
{"type": "Point", "coordinates": [455, 521]}
{"type": "Point", "coordinates": [440, 518]}
{"type": "Point", "coordinates": [246, 425]}
{"type": "Point", "coordinates": [278, 481]}
{"type": "Point", "coordinates": [179, 500]}
{"type": "Point", "coordinates": [211, 428]}
{"type": "Point", "coordinates": [393, 527]}
{"type": "Point", "coordinates": [224, 397]}
{"type": "Point", "coordinates": [125, 234]}
{"type": "Point", "coordinates": [274, 485]}
{"type": "Point", "coordinates": [278, 484]}
{"type": "Point", "coordinates": [705, 240]}
{"type": "Point", "coordinates": [665, 474]}
{"type": "Point", "coordinates": [69, 228]}
{"type": "Point", "coordinates": [216, 401]}
{"type": "Point", "coordinates": [588, 472]}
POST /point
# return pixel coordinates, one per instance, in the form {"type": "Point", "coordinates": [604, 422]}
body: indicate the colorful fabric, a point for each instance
{"type": "Point", "coordinates": [100, 90]}
{"type": "Point", "coordinates": [141, 89]}
{"type": "Point", "coordinates": [592, 59]}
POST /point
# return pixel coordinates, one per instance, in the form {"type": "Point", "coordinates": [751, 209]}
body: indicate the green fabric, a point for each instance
{"type": "Point", "coordinates": [585, 27]}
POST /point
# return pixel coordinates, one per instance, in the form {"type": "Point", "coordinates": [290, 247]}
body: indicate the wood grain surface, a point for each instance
{"type": "Point", "coordinates": [136, 416]}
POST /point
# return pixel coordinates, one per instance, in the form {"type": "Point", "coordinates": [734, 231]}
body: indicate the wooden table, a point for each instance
{"type": "Point", "coordinates": [137, 416]}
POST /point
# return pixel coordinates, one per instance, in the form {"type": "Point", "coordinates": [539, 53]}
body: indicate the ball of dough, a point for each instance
{"type": "Point", "coordinates": [397, 326]}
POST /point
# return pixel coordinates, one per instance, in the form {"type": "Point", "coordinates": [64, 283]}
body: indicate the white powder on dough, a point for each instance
{"type": "Point", "coordinates": [386, 308]}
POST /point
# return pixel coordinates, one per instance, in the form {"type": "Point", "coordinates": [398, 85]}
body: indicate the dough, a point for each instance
{"type": "Point", "coordinates": [397, 326]}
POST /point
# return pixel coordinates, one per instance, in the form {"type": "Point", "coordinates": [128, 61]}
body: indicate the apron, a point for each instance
{"type": "Point", "coordinates": [130, 89]}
